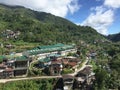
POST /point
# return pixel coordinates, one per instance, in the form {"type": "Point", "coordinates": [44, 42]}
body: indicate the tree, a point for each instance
{"type": "Point", "coordinates": [101, 76]}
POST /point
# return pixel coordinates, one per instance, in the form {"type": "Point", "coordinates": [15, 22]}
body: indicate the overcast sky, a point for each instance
{"type": "Point", "coordinates": [103, 15]}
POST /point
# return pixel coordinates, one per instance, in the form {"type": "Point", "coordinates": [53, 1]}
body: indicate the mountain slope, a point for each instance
{"type": "Point", "coordinates": [114, 37]}
{"type": "Point", "coordinates": [43, 27]}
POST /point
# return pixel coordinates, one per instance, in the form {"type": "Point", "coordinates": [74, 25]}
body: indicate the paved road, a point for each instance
{"type": "Point", "coordinates": [28, 78]}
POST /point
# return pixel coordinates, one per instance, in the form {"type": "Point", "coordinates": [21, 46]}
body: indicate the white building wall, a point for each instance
{"type": "Point", "coordinates": [63, 53]}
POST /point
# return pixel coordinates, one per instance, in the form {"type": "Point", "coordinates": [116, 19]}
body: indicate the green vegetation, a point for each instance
{"type": "Point", "coordinates": [39, 28]}
{"type": "Point", "coordinates": [1, 58]}
{"type": "Point", "coordinates": [93, 65]}
{"type": "Point", "coordinates": [106, 64]}
{"type": "Point", "coordinates": [33, 71]}
{"type": "Point", "coordinates": [101, 79]}
{"type": "Point", "coordinates": [67, 71]}
{"type": "Point", "coordinates": [43, 27]}
{"type": "Point", "coordinates": [114, 37]}
{"type": "Point", "coordinates": [107, 67]}
{"type": "Point", "coordinates": [41, 84]}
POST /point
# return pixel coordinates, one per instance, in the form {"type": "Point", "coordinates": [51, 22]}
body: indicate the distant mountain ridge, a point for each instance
{"type": "Point", "coordinates": [114, 37]}
{"type": "Point", "coordinates": [44, 27]}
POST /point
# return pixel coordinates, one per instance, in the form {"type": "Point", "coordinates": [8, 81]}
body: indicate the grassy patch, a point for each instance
{"type": "Point", "coordinates": [81, 64]}
{"type": "Point", "coordinates": [67, 71]}
{"type": "Point", "coordinates": [93, 64]}
{"type": "Point", "coordinates": [41, 84]}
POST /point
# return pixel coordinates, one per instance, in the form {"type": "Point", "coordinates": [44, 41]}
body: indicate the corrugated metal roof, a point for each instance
{"type": "Point", "coordinates": [49, 48]}
{"type": "Point", "coordinates": [21, 58]}
{"type": "Point", "coordinates": [45, 60]}
{"type": "Point", "coordinates": [54, 55]}
{"type": "Point", "coordinates": [1, 58]}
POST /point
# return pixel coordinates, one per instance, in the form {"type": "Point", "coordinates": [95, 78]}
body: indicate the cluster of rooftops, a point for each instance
{"type": "Point", "coordinates": [17, 63]}
{"type": "Point", "coordinates": [21, 58]}
{"type": "Point", "coordinates": [49, 48]}
{"type": "Point", "coordinates": [39, 50]}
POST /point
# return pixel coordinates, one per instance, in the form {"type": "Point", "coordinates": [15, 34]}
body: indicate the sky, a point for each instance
{"type": "Point", "coordinates": [102, 15]}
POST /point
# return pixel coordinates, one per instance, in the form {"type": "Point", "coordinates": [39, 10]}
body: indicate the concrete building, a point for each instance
{"type": "Point", "coordinates": [14, 67]}
{"type": "Point", "coordinates": [68, 81]}
{"type": "Point", "coordinates": [21, 65]}
{"type": "Point", "coordinates": [56, 67]}
{"type": "Point", "coordinates": [85, 77]}
{"type": "Point", "coordinates": [18, 66]}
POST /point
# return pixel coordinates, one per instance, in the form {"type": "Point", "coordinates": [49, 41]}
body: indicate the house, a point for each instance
{"type": "Point", "coordinates": [44, 62]}
{"type": "Point", "coordinates": [85, 77]}
{"type": "Point", "coordinates": [9, 46]}
{"type": "Point", "coordinates": [68, 81]}
{"type": "Point", "coordinates": [8, 72]}
{"type": "Point", "coordinates": [54, 62]}
{"type": "Point", "coordinates": [2, 66]}
{"type": "Point", "coordinates": [21, 65]}
{"type": "Point", "coordinates": [71, 61]}
{"type": "Point", "coordinates": [14, 67]}
{"type": "Point", "coordinates": [56, 67]}
{"type": "Point", "coordinates": [9, 34]}
{"type": "Point", "coordinates": [1, 74]}
{"type": "Point", "coordinates": [72, 64]}
{"type": "Point", "coordinates": [5, 71]}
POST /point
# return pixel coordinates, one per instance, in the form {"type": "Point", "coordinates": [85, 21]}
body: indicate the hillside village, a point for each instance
{"type": "Point", "coordinates": [39, 50]}
{"type": "Point", "coordinates": [75, 64]}
{"type": "Point", "coordinates": [52, 60]}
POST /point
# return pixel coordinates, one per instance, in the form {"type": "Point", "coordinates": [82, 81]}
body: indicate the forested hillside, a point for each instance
{"type": "Point", "coordinates": [43, 27]}
{"type": "Point", "coordinates": [114, 37]}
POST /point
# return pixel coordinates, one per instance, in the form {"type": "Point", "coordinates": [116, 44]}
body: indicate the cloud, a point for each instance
{"type": "Point", "coordinates": [112, 3]}
{"type": "Point", "coordinates": [100, 19]}
{"type": "Point", "coordinates": [73, 7]}
{"type": "Point", "coordinates": [56, 7]}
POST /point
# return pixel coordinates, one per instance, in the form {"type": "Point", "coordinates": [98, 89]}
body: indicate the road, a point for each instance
{"type": "Point", "coordinates": [43, 77]}
{"type": "Point", "coordinates": [18, 54]}
{"type": "Point", "coordinates": [83, 66]}
{"type": "Point", "coordinates": [28, 78]}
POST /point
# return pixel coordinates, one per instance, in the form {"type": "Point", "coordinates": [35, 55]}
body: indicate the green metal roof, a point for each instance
{"type": "Point", "coordinates": [1, 58]}
{"type": "Point", "coordinates": [21, 58]}
{"type": "Point", "coordinates": [49, 48]}
{"type": "Point", "coordinates": [45, 60]}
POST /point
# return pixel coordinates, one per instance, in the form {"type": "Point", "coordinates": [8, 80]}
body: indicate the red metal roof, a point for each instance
{"type": "Point", "coordinates": [72, 64]}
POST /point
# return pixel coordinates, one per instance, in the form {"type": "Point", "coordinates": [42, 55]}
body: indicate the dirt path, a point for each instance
{"type": "Point", "coordinates": [83, 66]}
{"type": "Point", "coordinates": [18, 54]}
{"type": "Point", "coordinates": [27, 78]}
{"type": "Point", "coordinates": [43, 77]}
